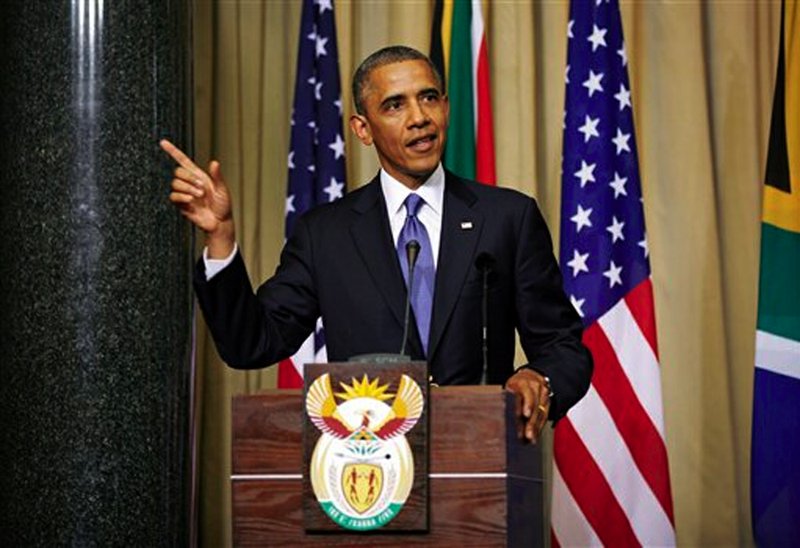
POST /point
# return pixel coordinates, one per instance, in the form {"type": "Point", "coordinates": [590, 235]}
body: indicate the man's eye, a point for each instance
{"type": "Point", "coordinates": [431, 97]}
{"type": "Point", "coordinates": [393, 105]}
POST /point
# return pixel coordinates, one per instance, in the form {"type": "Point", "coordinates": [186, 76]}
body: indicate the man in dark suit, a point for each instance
{"type": "Point", "coordinates": [346, 261]}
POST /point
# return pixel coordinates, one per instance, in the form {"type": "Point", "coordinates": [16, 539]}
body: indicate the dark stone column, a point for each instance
{"type": "Point", "coordinates": [95, 302]}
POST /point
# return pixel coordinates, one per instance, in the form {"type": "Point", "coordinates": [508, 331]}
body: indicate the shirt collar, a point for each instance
{"type": "Point", "coordinates": [432, 191]}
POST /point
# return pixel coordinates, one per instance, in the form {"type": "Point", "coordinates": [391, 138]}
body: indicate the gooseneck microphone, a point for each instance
{"type": "Point", "coordinates": [485, 263]}
{"type": "Point", "coordinates": [412, 252]}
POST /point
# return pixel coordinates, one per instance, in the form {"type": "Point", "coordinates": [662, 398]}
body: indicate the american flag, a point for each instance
{"type": "Point", "coordinates": [316, 160]}
{"type": "Point", "coordinates": [611, 480]}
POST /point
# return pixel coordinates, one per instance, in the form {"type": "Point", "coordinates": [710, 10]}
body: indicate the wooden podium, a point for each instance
{"type": "Point", "coordinates": [485, 484]}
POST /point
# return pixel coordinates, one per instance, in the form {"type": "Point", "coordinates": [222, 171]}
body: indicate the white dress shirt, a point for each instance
{"type": "Point", "coordinates": [430, 212]}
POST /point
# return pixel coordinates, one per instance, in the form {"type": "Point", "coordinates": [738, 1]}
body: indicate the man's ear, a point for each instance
{"type": "Point", "coordinates": [360, 127]}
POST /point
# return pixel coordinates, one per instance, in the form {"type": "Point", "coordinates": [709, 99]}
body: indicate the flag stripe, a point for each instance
{"type": "Point", "coordinates": [485, 170]}
{"type": "Point", "coordinates": [776, 476]}
{"type": "Point", "coordinates": [447, 36]}
{"type": "Point", "coordinates": [459, 154]}
{"type": "Point", "coordinates": [590, 489]}
{"type": "Point", "coordinates": [640, 303]}
{"type": "Point", "coordinates": [594, 425]}
{"type": "Point", "coordinates": [637, 360]}
{"type": "Point", "coordinates": [779, 289]}
{"type": "Point", "coordinates": [778, 354]}
{"type": "Point", "coordinates": [643, 440]}
{"type": "Point", "coordinates": [570, 527]}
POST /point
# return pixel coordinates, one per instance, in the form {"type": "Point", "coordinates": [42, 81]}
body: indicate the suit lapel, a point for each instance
{"type": "Point", "coordinates": [461, 229]}
{"type": "Point", "coordinates": [373, 239]}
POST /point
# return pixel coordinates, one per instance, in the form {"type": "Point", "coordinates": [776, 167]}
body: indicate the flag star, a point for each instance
{"type": "Point", "coordinates": [318, 91]}
{"type": "Point", "coordinates": [624, 97]}
{"type": "Point", "coordinates": [291, 160]}
{"type": "Point", "coordinates": [577, 304]}
{"type": "Point", "coordinates": [644, 246]}
{"type": "Point", "coordinates": [598, 37]}
{"type": "Point", "coordinates": [623, 54]}
{"type": "Point", "coordinates": [586, 173]}
{"type": "Point", "coordinates": [320, 47]}
{"type": "Point", "coordinates": [621, 140]}
{"type": "Point", "coordinates": [564, 123]}
{"type": "Point", "coordinates": [323, 5]}
{"type": "Point", "coordinates": [589, 128]}
{"type": "Point", "coordinates": [337, 147]}
{"type": "Point", "coordinates": [312, 80]}
{"type": "Point", "coordinates": [312, 168]}
{"type": "Point", "coordinates": [613, 274]}
{"type": "Point", "coordinates": [334, 189]}
{"type": "Point", "coordinates": [581, 218]}
{"type": "Point", "coordinates": [313, 35]}
{"type": "Point", "coordinates": [593, 82]}
{"type": "Point", "coordinates": [618, 184]}
{"type": "Point", "coordinates": [338, 104]}
{"type": "Point", "coordinates": [615, 228]}
{"type": "Point", "coordinates": [566, 75]}
{"type": "Point", "coordinates": [290, 204]}
{"type": "Point", "coordinates": [578, 262]}
{"type": "Point", "coordinates": [313, 125]}
{"type": "Point", "coordinates": [569, 28]}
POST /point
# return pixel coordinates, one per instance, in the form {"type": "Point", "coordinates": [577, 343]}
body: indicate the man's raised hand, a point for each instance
{"type": "Point", "coordinates": [204, 199]}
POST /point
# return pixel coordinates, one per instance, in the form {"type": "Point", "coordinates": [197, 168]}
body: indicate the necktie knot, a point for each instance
{"type": "Point", "coordinates": [413, 203]}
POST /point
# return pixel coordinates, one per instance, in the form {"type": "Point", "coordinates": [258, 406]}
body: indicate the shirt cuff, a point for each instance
{"type": "Point", "coordinates": [215, 266]}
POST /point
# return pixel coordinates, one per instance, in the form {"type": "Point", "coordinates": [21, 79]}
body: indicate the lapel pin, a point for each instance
{"type": "Point", "coordinates": [466, 225]}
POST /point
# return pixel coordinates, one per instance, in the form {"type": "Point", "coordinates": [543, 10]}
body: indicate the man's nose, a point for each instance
{"type": "Point", "coordinates": [418, 115]}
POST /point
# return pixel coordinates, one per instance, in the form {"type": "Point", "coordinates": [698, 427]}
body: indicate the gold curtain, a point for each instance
{"type": "Point", "coordinates": [702, 78]}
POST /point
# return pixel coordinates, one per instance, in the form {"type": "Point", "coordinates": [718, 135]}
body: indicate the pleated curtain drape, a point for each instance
{"type": "Point", "coordinates": [702, 78]}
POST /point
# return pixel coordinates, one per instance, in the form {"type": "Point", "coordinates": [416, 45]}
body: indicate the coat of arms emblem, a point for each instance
{"type": "Point", "coordinates": [362, 468]}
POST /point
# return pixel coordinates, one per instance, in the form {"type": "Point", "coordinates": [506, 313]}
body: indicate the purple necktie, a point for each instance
{"type": "Point", "coordinates": [424, 271]}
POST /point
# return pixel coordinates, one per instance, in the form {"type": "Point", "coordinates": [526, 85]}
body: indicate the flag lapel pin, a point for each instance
{"type": "Point", "coordinates": [466, 225]}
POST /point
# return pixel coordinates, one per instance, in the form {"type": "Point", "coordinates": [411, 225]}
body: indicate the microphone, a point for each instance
{"type": "Point", "coordinates": [412, 252]}
{"type": "Point", "coordinates": [485, 263]}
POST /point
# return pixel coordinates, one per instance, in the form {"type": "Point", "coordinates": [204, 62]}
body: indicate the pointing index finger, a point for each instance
{"type": "Point", "coordinates": [179, 156]}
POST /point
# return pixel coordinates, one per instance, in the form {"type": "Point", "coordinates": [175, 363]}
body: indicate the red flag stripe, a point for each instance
{"type": "Point", "coordinates": [640, 303]}
{"type": "Point", "coordinates": [484, 133]}
{"type": "Point", "coordinates": [640, 435]}
{"type": "Point", "coordinates": [288, 377]}
{"type": "Point", "coordinates": [570, 527]}
{"type": "Point", "coordinates": [590, 489]}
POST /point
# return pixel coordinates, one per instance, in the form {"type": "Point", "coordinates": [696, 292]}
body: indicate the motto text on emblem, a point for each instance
{"type": "Point", "coordinates": [362, 468]}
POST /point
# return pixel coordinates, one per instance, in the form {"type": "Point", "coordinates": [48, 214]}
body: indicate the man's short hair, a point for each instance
{"type": "Point", "coordinates": [387, 56]}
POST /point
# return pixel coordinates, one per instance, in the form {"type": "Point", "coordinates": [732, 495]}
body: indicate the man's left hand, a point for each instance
{"type": "Point", "coordinates": [532, 402]}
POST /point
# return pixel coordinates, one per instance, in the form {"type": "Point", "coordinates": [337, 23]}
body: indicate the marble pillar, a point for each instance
{"type": "Point", "coordinates": [95, 298]}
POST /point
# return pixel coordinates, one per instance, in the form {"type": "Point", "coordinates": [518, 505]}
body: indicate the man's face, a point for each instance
{"type": "Point", "coordinates": [405, 118]}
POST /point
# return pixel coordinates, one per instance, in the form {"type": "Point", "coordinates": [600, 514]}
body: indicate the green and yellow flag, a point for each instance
{"type": "Point", "coordinates": [458, 49]}
{"type": "Point", "coordinates": [775, 472]}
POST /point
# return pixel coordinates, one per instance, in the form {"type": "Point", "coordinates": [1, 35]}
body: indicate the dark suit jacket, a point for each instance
{"type": "Point", "coordinates": [341, 264]}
